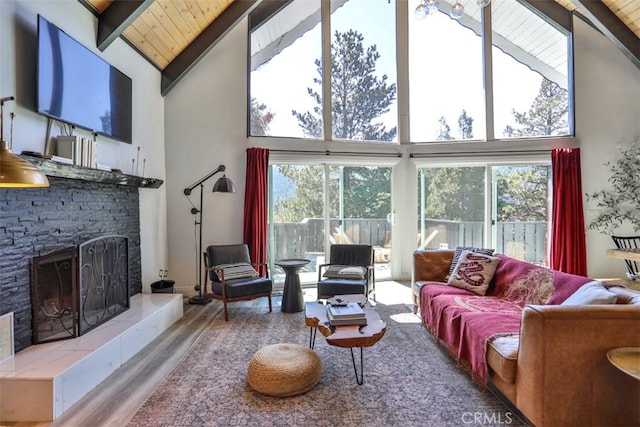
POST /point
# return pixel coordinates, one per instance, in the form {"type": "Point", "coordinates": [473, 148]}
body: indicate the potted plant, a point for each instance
{"type": "Point", "coordinates": [620, 203]}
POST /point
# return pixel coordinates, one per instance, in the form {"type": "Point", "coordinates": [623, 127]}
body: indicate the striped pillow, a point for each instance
{"type": "Point", "coordinates": [236, 271]}
{"type": "Point", "coordinates": [458, 251]}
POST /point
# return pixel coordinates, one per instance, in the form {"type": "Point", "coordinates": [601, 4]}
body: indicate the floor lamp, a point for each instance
{"type": "Point", "coordinates": [222, 185]}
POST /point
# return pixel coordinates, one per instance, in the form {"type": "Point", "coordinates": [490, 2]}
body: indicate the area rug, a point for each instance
{"type": "Point", "coordinates": [408, 380]}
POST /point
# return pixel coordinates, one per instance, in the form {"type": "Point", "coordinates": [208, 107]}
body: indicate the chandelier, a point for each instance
{"type": "Point", "coordinates": [430, 7]}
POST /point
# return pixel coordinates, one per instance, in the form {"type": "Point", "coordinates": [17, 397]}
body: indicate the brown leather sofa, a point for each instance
{"type": "Point", "coordinates": [556, 371]}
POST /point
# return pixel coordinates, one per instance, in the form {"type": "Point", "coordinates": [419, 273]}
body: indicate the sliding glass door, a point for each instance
{"type": "Point", "coordinates": [314, 206]}
{"type": "Point", "coordinates": [505, 207]}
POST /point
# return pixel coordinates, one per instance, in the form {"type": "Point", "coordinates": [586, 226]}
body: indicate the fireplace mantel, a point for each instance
{"type": "Point", "coordinates": [62, 170]}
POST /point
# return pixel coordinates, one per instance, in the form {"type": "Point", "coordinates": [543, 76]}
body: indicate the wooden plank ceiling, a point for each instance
{"type": "Point", "coordinates": [174, 34]}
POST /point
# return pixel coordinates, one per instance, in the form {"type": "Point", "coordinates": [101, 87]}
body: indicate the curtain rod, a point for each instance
{"type": "Point", "coordinates": [342, 153]}
{"type": "Point", "coordinates": [475, 153]}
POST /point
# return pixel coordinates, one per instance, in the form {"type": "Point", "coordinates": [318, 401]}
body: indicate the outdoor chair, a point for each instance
{"type": "Point", "coordinates": [233, 277]}
{"type": "Point", "coordinates": [350, 271]}
{"type": "Point", "coordinates": [631, 242]}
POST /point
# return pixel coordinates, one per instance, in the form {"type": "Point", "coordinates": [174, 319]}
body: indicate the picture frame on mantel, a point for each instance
{"type": "Point", "coordinates": [6, 336]}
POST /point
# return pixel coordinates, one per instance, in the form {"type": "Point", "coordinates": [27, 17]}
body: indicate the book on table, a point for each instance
{"type": "Point", "coordinates": [349, 314]}
{"type": "Point", "coordinates": [350, 310]}
{"type": "Point", "coordinates": [343, 321]}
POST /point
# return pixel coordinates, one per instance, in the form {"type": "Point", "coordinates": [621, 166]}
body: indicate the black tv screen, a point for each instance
{"type": "Point", "coordinates": [77, 87]}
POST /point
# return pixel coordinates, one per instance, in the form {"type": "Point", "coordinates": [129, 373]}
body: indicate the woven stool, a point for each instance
{"type": "Point", "coordinates": [284, 370]}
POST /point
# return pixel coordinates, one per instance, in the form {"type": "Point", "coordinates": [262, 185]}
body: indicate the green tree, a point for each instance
{"type": "Point", "coordinates": [522, 193]}
{"type": "Point", "coordinates": [465, 125]}
{"type": "Point", "coordinates": [455, 194]}
{"type": "Point", "coordinates": [307, 200]}
{"type": "Point", "coordinates": [259, 118]}
{"type": "Point", "coordinates": [366, 191]}
{"type": "Point", "coordinates": [358, 96]}
{"type": "Point", "coordinates": [547, 115]}
{"type": "Point", "coordinates": [444, 134]}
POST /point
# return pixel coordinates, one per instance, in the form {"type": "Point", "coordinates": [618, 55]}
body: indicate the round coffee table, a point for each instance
{"type": "Point", "coordinates": [292, 300]}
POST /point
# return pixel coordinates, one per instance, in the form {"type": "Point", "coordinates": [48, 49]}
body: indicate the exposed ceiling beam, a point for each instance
{"type": "Point", "coordinates": [612, 27]}
{"type": "Point", "coordinates": [209, 38]}
{"type": "Point", "coordinates": [116, 18]}
{"type": "Point", "coordinates": [265, 11]}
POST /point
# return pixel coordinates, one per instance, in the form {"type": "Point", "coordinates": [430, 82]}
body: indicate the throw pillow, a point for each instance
{"type": "Point", "coordinates": [474, 272]}
{"type": "Point", "coordinates": [237, 271]}
{"type": "Point", "coordinates": [458, 251]}
{"type": "Point", "coordinates": [591, 293]}
{"type": "Point", "coordinates": [345, 272]}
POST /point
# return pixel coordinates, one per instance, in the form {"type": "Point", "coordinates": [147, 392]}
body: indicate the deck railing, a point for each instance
{"type": "Point", "coordinates": [522, 240]}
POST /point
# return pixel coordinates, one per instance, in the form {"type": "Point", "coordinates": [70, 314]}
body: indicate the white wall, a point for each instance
{"type": "Point", "coordinates": [18, 49]}
{"type": "Point", "coordinates": [206, 126]}
{"type": "Point", "coordinates": [607, 114]}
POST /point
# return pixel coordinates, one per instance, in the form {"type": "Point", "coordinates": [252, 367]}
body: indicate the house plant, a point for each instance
{"type": "Point", "coordinates": [620, 203]}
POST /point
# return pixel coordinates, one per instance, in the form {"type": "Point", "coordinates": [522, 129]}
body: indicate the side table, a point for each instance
{"type": "Point", "coordinates": [292, 300]}
{"type": "Point", "coordinates": [627, 359]}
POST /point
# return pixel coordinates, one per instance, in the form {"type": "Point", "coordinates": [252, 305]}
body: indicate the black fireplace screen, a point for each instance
{"type": "Point", "coordinates": [54, 296]}
{"type": "Point", "coordinates": [76, 291]}
{"type": "Point", "coordinates": [104, 280]}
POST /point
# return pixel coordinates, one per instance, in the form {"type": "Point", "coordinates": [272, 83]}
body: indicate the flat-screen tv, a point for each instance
{"type": "Point", "coordinates": [77, 87]}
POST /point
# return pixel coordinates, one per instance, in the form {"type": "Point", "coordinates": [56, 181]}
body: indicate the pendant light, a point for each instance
{"type": "Point", "coordinates": [14, 171]}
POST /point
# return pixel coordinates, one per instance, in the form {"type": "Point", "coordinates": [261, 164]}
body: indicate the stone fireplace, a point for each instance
{"type": "Point", "coordinates": [42, 221]}
{"type": "Point", "coordinates": [76, 290]}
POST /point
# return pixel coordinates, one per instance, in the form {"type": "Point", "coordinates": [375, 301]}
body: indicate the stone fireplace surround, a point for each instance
{"type": "Point", "coordinates": [35, 222]}
{"type": "Point", "coordinates": [42, 381]}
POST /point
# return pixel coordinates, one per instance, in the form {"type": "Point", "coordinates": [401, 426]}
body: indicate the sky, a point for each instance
{"type": "Point", "coordinates": [445, 71]}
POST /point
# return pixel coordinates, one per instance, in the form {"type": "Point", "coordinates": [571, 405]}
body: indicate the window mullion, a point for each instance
{"type": "Point", "coordinates": [325, 12]}
{"type": "Point", "coordinates": [487, 63]}
{"type": "Point", "coordinates": [402, 67]}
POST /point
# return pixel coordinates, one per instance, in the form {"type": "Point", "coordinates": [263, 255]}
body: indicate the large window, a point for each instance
{"type": "Point", "coordinates": [288, 74]}
{"type": "Point", "coordinates": [330, 71]}
{"type": "Point", "coordinates": [363, 71]}
{"type": "Point", "coordinates": [505, 207]}
{"type": "Point", "coordinates": [282, 68]}
{"type": "Point", "coordinates": [530, 74]}
{"type": "Point", "coordinates": [314, 206]}
{"type": "Point", "coordinates": [445, 79]}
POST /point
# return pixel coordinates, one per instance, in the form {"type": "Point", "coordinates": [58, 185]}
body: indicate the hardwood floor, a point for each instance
{"type": "Point", "coordinates": [117, 399]}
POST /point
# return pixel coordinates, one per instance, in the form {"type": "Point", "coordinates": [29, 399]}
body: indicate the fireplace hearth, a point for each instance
{"type": "Point", "coordinates": [77, 289]}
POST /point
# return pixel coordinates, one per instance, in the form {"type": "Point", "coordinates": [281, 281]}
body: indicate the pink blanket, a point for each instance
{"type": "Point", "coordinates": [467, 322]}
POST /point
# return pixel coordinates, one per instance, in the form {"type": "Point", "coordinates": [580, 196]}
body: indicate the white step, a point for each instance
{"type": "Point", "coordinates": [42, 381]}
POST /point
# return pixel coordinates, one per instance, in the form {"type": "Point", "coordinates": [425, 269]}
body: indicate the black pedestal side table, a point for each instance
{"type": "Point", "coordinates": [292, 300]}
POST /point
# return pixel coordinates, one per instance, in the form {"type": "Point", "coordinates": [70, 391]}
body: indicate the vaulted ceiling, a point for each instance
{"type": "Point", "coordinates": [174, 34]}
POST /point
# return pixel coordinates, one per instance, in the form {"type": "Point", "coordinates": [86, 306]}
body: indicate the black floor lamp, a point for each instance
{"type": "Point", "coordinates": [222, 185]}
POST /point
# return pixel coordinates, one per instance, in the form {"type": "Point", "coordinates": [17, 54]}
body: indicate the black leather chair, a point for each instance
{"type": "Point", "coordinates": [631, 242]}
{"type": "Point", "coordinates": [241, 282]}
{"type": "Point", "coordinates": [343, 278]}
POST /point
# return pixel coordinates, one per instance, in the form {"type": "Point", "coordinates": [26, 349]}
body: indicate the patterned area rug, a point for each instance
{"type": "Point", "coordinates": [408, 380]}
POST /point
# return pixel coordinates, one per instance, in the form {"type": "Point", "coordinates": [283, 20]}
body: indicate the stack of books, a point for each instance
{"type": "Point", "coordinates": [346, 314]}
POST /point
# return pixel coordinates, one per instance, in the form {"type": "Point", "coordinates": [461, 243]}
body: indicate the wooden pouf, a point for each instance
{"type": "Point", "coordinates": [284, 370]}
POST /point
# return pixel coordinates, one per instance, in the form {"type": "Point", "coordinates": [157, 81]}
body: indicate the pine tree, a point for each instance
{"type": "Point", "coordinates": [259, 118]}
{"type": "Point", "coordinates": [547, 115]}
{"type": "Point", "coordinates": [358, 96]}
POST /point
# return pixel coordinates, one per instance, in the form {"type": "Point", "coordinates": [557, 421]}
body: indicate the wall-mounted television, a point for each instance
{"type": "Point", "coordinates": [77, 87]}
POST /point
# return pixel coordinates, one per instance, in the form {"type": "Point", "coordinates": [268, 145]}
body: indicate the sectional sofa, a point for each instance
{"type": "Point", "coordinates": [537, 337]}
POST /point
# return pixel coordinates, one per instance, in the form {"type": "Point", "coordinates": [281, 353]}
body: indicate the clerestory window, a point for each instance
{"type": "Point", "coordinates": [512, 83]}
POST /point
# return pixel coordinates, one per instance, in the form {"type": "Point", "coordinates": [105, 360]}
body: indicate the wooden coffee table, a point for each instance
{"type": "Point", "coordinates": [347, 336]}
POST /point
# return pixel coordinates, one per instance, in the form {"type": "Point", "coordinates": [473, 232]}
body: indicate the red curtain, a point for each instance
{"type": "Point", "coordinates": [568, 243]}
{"type": "Point", "coordinates": [256, 206]}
